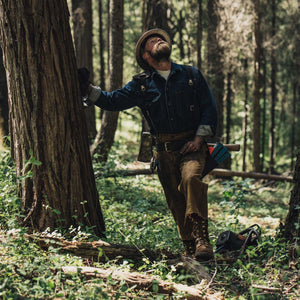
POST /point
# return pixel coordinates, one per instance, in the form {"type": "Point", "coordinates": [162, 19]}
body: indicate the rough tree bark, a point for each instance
{"type": "Point", "coordinates": [83, 41]}
{"type": "Point", "coordinates": [47, 119]}
{"type": "Point", "coordinates": [105, 137]}
{"type": "Point", "coordinates": [3, 102]}
{"type": "Point", "coordinates": [256, 89]}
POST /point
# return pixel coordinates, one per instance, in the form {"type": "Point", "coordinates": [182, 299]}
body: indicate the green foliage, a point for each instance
{"type": "Point", "coordinates": [136, 213]}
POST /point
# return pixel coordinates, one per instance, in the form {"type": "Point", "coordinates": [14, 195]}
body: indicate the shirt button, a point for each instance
{"type": "Point", "coordinates": [169, 103]}
{"type": "Point", "coordinates": [172, 119]}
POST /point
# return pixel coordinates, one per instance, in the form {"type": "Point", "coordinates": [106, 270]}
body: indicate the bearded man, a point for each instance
{"type": "Point", "coordinates": [181, 112]}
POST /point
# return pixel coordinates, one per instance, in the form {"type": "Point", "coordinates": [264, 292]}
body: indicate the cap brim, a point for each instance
{"type": "Point", "coordinates": [142, 63]}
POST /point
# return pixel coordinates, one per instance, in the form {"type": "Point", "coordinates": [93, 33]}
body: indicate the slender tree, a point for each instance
{"type": "Point", "coordinates": [199, 35]}
{"type": "Point", "coordinates": [264, 107]}
{"type": "Point", "coordinates": [215, 62]}
{"type": "Point", "coordinates": [82, 28]}
{"type": "Point", "coordinates": [292, 229]}
{"type": "Point", "coordinates": [3, 102]}
{"type": "Point", "coordinates": [105, 137]}
{"type": "Point", "coordinates": [256, 88]}
{"type": "Point", "coordinates": [246, 114]}
{"type": "Point", "coordinates": [101, 45]}
{"type": "Point", "coordinates": [48, 131]}
{"type": "Point", "coordinates": [273, 90]}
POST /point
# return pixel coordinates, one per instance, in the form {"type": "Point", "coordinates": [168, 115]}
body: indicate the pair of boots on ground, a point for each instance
{"type": "Point", "coordinates": [199, 247]}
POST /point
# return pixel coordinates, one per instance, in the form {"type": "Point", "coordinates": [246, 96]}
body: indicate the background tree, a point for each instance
{"type": "Point", "coordinates": [215, 62]}
{"type": "Point", "coordinates": [273, 88]}
{"type": "Point", "coordinates": [101, 44]}
{"type": "Point", "coordinates": [48, 133]}
{"type": "Point", "coordinates": [256, 89]}
{"type": "Point", "coordinates": [3, 102]}
{"type": "Point", "coordinates": [292, 229]}
{"type": "Point", "coordinates": [105, 137]}
{"type": "Point", "coordinates": [82, 28]}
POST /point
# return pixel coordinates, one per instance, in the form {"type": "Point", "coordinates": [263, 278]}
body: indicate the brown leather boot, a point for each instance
{"type": "Point", "coordinates": [204, 249]}
{"type": "Point", "coordinates": [189, 248]}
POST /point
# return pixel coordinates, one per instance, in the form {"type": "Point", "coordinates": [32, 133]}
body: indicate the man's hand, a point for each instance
{"type": "Point", "coordinates": [192, 146]}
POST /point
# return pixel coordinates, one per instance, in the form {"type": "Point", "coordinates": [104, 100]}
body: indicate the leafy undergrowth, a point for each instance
{"type": "Point", "coordinates": [136, 214]}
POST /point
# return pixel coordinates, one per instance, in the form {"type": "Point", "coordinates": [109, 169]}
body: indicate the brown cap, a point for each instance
{"type": "Point", "coordinates": [140, 44]}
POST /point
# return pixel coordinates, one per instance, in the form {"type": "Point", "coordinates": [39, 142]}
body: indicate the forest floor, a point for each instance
{"type": "Point", "coordinates": [136, 214]}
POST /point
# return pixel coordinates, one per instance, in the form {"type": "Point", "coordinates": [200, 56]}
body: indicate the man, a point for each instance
{"type": "Point", "coordinates": [179, 107]}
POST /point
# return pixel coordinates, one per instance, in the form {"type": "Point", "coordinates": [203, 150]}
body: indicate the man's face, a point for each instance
{"type": "Point", "coordinates": [157, 48]}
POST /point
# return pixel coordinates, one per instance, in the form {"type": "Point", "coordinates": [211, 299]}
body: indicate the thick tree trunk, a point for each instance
{"type": "Point", "coordinates": [292, 229]}
{"type": "Point", "coordinates": [256, 89]}
{"type": "Point", "coordinates": [48, 133]}
{"type": "Point", "coordinates": [83, 40]}
{"type": "Point", "coordinates": [215, 62]}
{"type": "Point", "coordinates": [105, 137]}
{"type": "Point", "coordinates": [3, 102]}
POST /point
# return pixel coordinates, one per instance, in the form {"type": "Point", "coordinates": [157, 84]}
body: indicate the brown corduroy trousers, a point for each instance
{"type": "Point", "coordinates": [186, 194]}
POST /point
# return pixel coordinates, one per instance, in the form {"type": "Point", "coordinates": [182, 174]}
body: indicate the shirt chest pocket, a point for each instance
{"type": "Point", "coordinates": [183, 98]}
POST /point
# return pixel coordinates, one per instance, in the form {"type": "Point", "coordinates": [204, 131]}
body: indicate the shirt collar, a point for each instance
{"type": "Point", "coordinates": [174, 69]}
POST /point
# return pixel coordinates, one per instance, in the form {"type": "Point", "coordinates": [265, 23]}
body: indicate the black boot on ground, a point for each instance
{"type": "Point", "coordinates": [203, 247]}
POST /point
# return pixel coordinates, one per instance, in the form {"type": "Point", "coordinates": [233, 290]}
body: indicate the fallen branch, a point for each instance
{"type": "Point", "coordinates": [215, 172]}
{"type": "Point", "coordinates": [267, 288]}
{"type": "Point", "coordinates": [140, 281]}
{"type": "Point", "coordinates": [99, 250]}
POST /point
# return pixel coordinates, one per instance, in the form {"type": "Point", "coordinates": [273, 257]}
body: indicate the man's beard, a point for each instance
{"type": "Point", "coordinates": [161, 51]}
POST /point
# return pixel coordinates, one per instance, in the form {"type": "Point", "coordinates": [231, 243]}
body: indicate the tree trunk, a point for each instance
{"type": "Point", "coordinates": [199, 35]}
{"type": "Point", "coordinates": [215, 62]}
{"type": "Point", "coordinates": [227, 163]}
{"type": "Point", "coordinates": [246, 111]}
{"type": "Point", "coordinates": [101, 46]}
{"type": "Point", "coordinates": [292, 229]}
{"type": "Point", "coordinates": [3, 102]}
{"type": "Point", "coordinates": [48, 133]}
{"type": "Point", "coordinates": [264, 108]}
{"type": "Point", "coordinates": [83, 40]}
{"type": "Point", "coordinates": [294, 115]}
{"type": "Point", "coordinates": [105, 137]}
{"type": "Point", "coordinates": [273, 92]}
{"type": "Point", "coordinates": [156, 16]}
{"type": "Point", "coordinates": [256, 89]}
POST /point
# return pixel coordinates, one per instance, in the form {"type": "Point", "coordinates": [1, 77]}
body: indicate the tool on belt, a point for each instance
{"type": "Point", "coordinates": [230, 241]}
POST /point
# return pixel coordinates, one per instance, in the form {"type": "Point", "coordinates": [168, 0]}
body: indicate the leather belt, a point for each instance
{"type": "Point", "coordinates": [170, 146]}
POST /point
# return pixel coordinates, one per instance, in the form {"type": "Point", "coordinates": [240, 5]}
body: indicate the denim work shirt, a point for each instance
{"type": "Point", "coordinates": [174, 105]}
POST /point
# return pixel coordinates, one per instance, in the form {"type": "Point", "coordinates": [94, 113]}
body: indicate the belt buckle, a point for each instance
{"type": "Point", "coordinates": [166, 146]}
